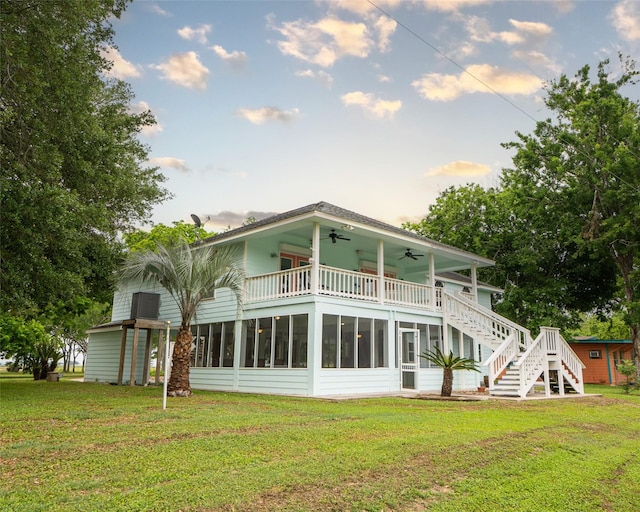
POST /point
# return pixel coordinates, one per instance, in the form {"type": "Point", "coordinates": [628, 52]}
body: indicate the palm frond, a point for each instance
{"type": "Point", "coordinates": [189, 275]}
{"type": "Point", "coordinates": [449, 361]}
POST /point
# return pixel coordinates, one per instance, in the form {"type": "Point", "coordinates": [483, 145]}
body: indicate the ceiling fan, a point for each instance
{"type": "Point", "coordinates": [409, 254]}
{"type": "Point", "coordinates": [334, 237]}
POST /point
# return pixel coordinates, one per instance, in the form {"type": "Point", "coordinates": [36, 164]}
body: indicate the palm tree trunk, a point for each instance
{"type": "Point", "coordinates": [179, 382]}
{"type": "Point", "coordinates": [447, 382]}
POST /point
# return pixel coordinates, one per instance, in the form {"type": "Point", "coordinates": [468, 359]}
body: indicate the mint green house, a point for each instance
{"type": "Point", "coordinates": [337, 303]}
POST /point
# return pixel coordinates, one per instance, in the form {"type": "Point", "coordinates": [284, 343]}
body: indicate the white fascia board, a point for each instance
{"type": "Point", "coordinates": [481, 285]}
{"type": "Point", "coordinates": [108, 328]}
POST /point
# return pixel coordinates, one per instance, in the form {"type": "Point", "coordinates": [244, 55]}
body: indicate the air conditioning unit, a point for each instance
{"type": "Point", "coordinates": [145, 305]}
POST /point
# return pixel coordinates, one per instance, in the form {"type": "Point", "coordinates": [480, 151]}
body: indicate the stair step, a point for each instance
{"type": "Point", "coordinates": [504, 392]}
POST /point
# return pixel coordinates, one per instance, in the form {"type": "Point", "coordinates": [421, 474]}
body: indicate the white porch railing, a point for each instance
{"type": "Point", "coordinates": [501, 357]}
{"type": "Point", "coordinates": [531, 364]}
{"type": "Point", "coordinates": [547, 349]}
{"type": "Point", "coordinates": [570, 363]}
{"type": "Point", "coordinates": [346, 283]}
{"type": "Point", "coordinates": [277, 285]}
{"type": "Point", "coordinates": [483, 320]}
{"type": "Point", "coordinates": [407, 294]}
{"type": "Point", "coordinates": [340, 283]}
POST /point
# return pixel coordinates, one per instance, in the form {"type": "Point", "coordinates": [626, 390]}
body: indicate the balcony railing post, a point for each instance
{"type": "Point", "coordinates": [381, 290]}
{"type": "Point", "coordinates": [315, 259]}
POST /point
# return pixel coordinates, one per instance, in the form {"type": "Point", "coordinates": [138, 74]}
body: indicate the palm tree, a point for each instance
{"type": "Point", "coordinates": [448, 363]}
{"type": "Point", "coordinates": [190, 275]}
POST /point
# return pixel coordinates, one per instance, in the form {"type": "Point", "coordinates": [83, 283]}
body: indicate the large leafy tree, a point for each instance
{"type": "Point", "coordinates": [161, 234]}
{"type": "Point", "coordinates": [190, 275]}
{"type": "Point", "coordinates": [564, 225]}
{"type": "Point", "coordinates": [73, 170]}
{"type": "Point", "coordinates": [583, 167]}
{"type": "Point", "coordinates": [29, 345]}
{"type": "Point", "coordinates": [547, 278]}
{"type": "Point", "coordinates": [603, 327]}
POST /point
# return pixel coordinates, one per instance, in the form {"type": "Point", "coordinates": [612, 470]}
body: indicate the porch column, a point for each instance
{"type": "Point", "coordinates": [159, 356]}
{"type": "Point", "coordinates": [134, 353]}
{"type": "Point", "coordinates": [147, 358]}
{"type": "Point", "coordinates": [315, 258]}
{"type": "Point", "coordinates": [432, 280]}
{"type": "Point", "coordinates": [123, 348]}
{"type": "Point", "coordinates": [474, 280]}
{"type": "Point", "coordinates": [237, 351]}
{"type": "Point", "coordinates": [381, 298]}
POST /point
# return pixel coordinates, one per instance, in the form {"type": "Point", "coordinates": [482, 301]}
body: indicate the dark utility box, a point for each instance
{"type": "Point", "coordinates": [145, 305]}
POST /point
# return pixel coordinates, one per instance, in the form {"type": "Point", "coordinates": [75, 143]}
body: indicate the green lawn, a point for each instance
{"type": "Point", "coordinates": [78, 446]}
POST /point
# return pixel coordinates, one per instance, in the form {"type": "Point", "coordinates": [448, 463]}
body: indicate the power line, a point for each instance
{"type": "Point", "coordinates": [504, 98]}
{"type": "Point", "coordinates": [462, 68]}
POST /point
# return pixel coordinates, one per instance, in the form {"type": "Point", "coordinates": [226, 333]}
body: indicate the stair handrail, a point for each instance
{"type": "Point", "coordinates": [531, 364]}
{"type": "Point", "coordinates": [573, 363]}
{"type": "Point", "coordinates": [503, 326]}
{"type": "Point", "coordinates": [501, 357]}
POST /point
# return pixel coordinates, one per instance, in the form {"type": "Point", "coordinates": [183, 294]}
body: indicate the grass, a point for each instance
{"type": "Point", "coordinates": [90, 447]}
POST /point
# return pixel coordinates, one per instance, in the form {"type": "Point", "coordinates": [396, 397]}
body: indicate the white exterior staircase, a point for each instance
{"type": "Point", "coordinates": [518, 363]}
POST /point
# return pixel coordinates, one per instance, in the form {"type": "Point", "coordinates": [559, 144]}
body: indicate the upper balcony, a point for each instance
{"type": "Point", "coordinates": [347, 284]}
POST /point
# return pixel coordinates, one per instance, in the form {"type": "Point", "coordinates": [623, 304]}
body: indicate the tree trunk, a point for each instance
{"type": "Point", "coordinates": [179, 382]}
{"type": "Point", "coordinates": [447, 382]}
{"type": "Point", "coordinates": [626, 264]}
{"type": "Point", "coordinates": [635, 337]}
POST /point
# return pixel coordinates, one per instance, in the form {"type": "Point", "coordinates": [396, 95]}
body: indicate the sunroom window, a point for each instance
{"type": "Point", "coordinates": [212, 344]}
{"type": "Point", "coordinates": [353, 342]}
{"type": "Point", "coordinates": [275, 342]}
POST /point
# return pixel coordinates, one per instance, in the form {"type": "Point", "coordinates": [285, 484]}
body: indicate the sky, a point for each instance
{"type": "Point", "coordinates": [377, 107]}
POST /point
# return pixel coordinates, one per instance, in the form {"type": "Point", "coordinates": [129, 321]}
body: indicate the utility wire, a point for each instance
{"type": "Point", "coordinates": [463, 69]}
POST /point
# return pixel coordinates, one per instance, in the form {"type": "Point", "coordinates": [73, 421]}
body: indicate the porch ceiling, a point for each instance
{"type": "Point", "coordinates": [364, 239]}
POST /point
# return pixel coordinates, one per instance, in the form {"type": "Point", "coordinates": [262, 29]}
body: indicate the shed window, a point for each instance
{"type": "Point", "coordinates": [595, 354]}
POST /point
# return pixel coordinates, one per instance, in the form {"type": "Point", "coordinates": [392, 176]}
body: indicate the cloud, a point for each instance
{"type": "Point", "coordinates": [564, 6]}
{"type": "Point", "coordinates": [385, 28]}
{"type": "Point", "coordinates": [264, 114]}
{"type": "Point", "coordinates": [369, 103]}
{"type": "Point", "coordinates": [325, 41]}
{"type": "Point", "coordinates": [625, 18]}
{"type": "Point", "coordinates": [121, 68]}
{"type": "Point", "coordinates": [384, 78]}
{"type": "Point", "coordinates": [237, 59]}
{"type": "Point", "coordinates": [171, 163]}
{"type": "Point", "coordinates": [322, 76]}
{"type": "Point", "coordinates": [149, 131]}
{"type": "Point", "coordinates": [159, 10]}
{"type": "Point", "coordinates": [439, 87]}
{"type": "Point", "coordinates": [185, 69]}
{"type": "Point", "coordinates": [195, 34]}
{"type": "Point", "coordinates": [451, 5]}
{"type": "Point", "coordinates": [362, 6]}
{"type": "Point", "coordinates": [236, 219]}
{"type": "Point", "coordinates": [460, 168]}
{"type": "Point", "coordinates": [535, 58]}
{"type": "Point", "coordinates": [528, 32]}
{"type": "Point", "coordinates": [534, 28]}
